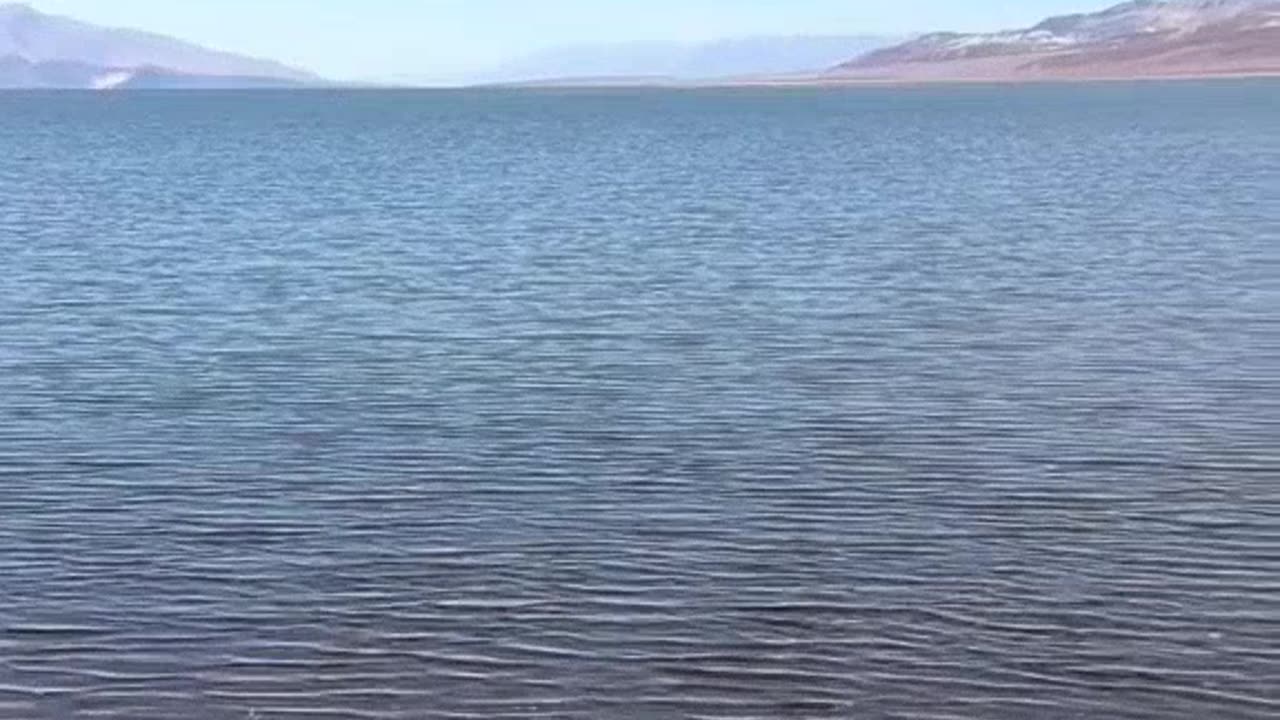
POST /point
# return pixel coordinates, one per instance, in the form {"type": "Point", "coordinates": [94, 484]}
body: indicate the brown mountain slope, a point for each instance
{"type": "Point", "coordinates": [1145, 38]}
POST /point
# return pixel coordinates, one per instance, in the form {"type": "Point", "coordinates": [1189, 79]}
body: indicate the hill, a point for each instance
{"type": "Point", "coordinates": [1143, 38]}
{"type": "Point", "coordinates": [39, 50]}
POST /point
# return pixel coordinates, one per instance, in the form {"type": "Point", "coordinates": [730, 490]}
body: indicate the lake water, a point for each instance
{"type": "Point", "coordinates": [885, 403]}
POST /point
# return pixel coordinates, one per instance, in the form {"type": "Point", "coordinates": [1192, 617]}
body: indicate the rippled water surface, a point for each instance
{"type": "Point", "coordinates": [930, 403]}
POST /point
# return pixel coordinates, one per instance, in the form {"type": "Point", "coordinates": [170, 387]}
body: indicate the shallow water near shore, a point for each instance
{"type": "Point", "coordinates": [910, 403]}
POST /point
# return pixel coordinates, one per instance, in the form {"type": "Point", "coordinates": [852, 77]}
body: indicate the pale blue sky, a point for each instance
{"type": "Point", "coordinates": [382, 38]}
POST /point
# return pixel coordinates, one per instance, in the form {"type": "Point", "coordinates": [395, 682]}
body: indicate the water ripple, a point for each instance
{"type": "Point", "coordinates": [931, 404]}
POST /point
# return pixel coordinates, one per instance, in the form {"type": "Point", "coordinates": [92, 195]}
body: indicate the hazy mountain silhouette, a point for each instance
{"type": "Point", "coordinates": [751, 56]}
{"type": "Point", "coordinates": [42, 50]}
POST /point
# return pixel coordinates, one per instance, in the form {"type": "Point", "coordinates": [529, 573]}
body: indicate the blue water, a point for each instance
{"type": "Point", "coordinates": [893, 403]}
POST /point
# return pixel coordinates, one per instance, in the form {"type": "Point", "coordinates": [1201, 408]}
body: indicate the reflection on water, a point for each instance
{"type": "Point", "coordinates": [942, 403]}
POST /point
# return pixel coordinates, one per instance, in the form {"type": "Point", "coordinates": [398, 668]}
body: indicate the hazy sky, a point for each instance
{"type": "Point", "coordinates": [436, 38]}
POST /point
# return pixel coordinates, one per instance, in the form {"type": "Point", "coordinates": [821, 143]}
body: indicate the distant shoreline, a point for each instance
{"type": "Point", "coordinates": [854, 82]}
{"type": "Point", "coordinates": [815, 82]}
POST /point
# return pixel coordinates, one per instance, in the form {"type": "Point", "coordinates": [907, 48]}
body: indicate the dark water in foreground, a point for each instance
{"type": "Point", "coordinates": [950, 403]}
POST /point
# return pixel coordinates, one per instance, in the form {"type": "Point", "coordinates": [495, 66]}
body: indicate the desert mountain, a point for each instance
{"type": "Point", "coordinates": [1142, 38]}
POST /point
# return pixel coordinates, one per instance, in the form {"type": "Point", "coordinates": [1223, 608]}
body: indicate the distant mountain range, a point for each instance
{"type": "Point", "coordinates": [1142, 38]}
{"type": "Point", "coordinates": [728, 58]}
{"type": "Point", "coordinates": [49, 51]}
